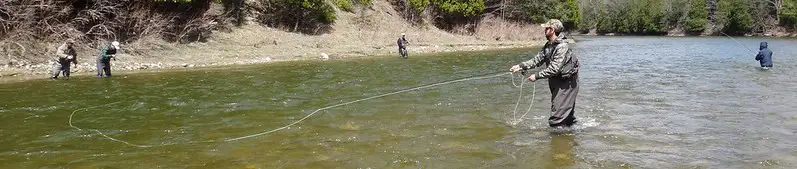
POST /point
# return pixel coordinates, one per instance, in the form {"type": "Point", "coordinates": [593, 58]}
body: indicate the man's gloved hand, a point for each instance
{"type": "Point", "coordinates": [70, 57]}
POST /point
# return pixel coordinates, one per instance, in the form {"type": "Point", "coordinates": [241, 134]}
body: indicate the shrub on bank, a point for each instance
{"type": "Point", "coordinates": [348, 5]}
{"type": "Point", "coordinates": [308, 16]}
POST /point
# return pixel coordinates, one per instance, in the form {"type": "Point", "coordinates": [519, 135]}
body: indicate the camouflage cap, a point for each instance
{"type": "Point", "coordinates": [554, 23]}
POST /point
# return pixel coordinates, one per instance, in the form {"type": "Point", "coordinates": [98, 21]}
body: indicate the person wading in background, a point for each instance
{"type": "Point", "coordinates": [64, 55]}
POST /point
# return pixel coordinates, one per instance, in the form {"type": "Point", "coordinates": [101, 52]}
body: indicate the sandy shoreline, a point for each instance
{"type": "Point", "coordinates": [368, 33]}
{"type": "Point", "coordinates": [127, 63]}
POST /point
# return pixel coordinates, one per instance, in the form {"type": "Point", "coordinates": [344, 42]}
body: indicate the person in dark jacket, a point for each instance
{"type": "Point", "coordinates": [561, 70]}
{"type": "Point", "coordinates": [64, 55]}
{"type": "Point", "coordinates": [764, 56]}
{"type": "Point", "coordinates": [402, 45]}
{"type": "Point", "coordinates": [104, 60]}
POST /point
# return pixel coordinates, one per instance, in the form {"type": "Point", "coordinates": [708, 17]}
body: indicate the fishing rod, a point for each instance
{"type": "Point", "coordinates": [737, 42]}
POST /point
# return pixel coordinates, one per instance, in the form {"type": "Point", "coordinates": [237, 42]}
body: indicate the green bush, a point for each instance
{"type": "Point", "coordinates": [572, 17]}
{"type": "Point", "coordinates": [310, 10]}
{"type": "Point", "coordinates": [306, 16]}
{"type": "Point", "coordinates": [539, 11]}
{"type": "Point", "coordinates": [654, 20]}
{"type": "Point", "coordinates": [736, 18]}
{"type": "Point", "coordinates": [697, 16]}
{"type": "Point", "coordinates": [345, 5]}
{"type": "Point", "coordinates": [637, 17]}
{"type": "Point", "coordinates": [460, 8]}
{"type": "Point", "coordinates": [418, 6]}
{"type": "Point", "coordinates": [591, 15]}
{"type": "Point", "coordinates": [643, 16]}
{"type": "Point", "coordinates": [788, 14]}
{"type": "Point", "coordinates": [348, 5]}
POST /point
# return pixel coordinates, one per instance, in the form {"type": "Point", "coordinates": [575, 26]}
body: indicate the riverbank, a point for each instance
{"type": "Point", "coordinates": [197, 56]}
{"type": "Point", "coordinates": [364, 33]}
{"type": "Point", "coordinates": [256, 45]}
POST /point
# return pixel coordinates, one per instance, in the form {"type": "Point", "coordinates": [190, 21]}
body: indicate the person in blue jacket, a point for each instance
{"type": "Point", "coordinates": [764, 56]}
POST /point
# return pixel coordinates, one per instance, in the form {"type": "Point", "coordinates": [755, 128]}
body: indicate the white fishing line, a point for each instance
{"type": "Point", "coordinates": [515, 121]}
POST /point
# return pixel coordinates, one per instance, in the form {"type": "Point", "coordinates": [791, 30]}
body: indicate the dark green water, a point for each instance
{"type": "Point", "coordinates": [644, 103]}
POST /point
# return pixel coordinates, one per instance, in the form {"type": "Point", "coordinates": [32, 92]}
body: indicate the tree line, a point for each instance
{"type": "Point", "coordinates": [620, 16]}
{"type": "Point", "coordinates": [188, 20]}
{"type": "Point", "coordinates": [688, 16]}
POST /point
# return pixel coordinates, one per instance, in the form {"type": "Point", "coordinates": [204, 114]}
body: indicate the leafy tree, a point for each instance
{"type": "Point", "coordinates": [737, 19]}
{"type": "Point", "coordinates": [788, 14]}
{"type": "Point", "coordinates": [300, 15]}
{"type": "Point", "coordinates": [697, 17]}
{"type": "Point", "coordinates": [539, 11]}
{"type": "Point", "coordinates": [348, 5]}
{"type": "Point", "coordinates": [572, 16]}
{"type": "Point", "coordinates": [418, 6]}
{"type": "Point", "coordinates": [460, 8]}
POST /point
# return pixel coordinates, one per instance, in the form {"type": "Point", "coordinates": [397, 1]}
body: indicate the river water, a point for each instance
{"type": "Point", "coordinates": [645, 102]}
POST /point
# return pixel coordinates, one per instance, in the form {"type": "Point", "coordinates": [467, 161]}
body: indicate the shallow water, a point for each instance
{"type": "Point", "coordinates": [645, 102]}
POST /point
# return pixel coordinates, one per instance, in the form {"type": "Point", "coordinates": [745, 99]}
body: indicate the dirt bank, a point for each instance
{"type": "Point", "coordinates": [368, 32]}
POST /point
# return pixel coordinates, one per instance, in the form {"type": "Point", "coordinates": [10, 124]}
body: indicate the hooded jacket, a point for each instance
{"type": "Point", "coordinates": [764, 55]}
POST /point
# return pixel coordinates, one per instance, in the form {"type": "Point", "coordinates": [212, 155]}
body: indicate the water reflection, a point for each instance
{"type": "Point", "coordinates": [561, 152]}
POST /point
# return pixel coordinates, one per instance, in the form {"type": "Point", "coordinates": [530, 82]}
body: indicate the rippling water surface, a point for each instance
{"type": "Point", "coordinates": [645, 102]}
